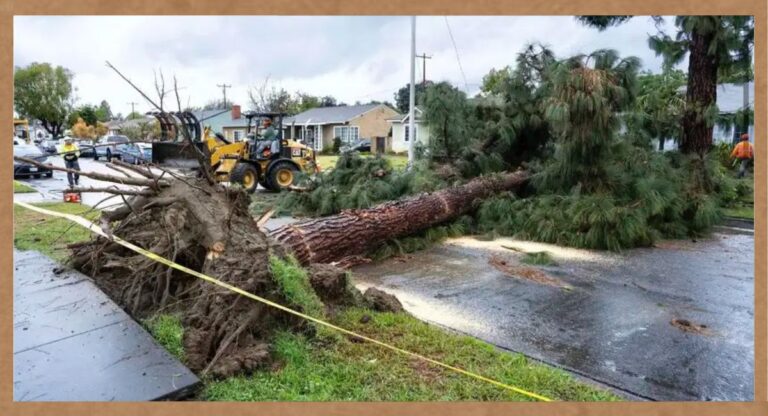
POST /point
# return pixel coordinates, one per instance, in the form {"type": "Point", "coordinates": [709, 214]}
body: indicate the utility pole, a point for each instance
{"type": "Point", "coordinates": [412, 98]}
{"type": "Point", "coordinates": [133, 107]}
{"type": "Point", "coordinates": [424, 58]}
{"type": "Point", "coordinates": [224, 90]}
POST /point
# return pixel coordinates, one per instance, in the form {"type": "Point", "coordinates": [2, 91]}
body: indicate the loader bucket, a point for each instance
{"type": "Point", "coordinates": [173, 150]}
{"type": "Point", "coordinates": [175, 154]}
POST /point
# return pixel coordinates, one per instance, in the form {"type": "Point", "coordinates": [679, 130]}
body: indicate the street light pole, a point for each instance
{"type": "Point", "coordinates": [412, 97]}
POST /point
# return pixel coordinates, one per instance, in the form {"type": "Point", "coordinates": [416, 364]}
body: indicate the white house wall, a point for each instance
{"type": "Point", "coordinates": [399, 145]}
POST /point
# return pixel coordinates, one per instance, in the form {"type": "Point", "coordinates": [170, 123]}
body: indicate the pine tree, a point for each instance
{"type": "Point", "coordinates": [715, 46]}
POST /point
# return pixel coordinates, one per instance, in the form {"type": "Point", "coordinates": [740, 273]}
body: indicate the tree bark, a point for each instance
{"type": "Point", "coordinates": [700, 95]}
{"type": "Point", "coordinates": [358, 231]}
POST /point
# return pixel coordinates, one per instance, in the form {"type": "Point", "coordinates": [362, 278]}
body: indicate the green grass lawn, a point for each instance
{"type": "Point", "coordinates": [20, 188]}
{"type": "Point", "coordinates": [745, 212]}
{"type": "Point", "coordinates": [49, 235]}
{"type": "Point", "coordinates": [337, 369]}
{"type": "Point", "coordinates": [329, 161]}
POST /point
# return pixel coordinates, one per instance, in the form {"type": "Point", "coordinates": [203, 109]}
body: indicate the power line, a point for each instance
{"type": "Point", "coordinates": [458, 59]}
{"type": "Point", "coordinates": [133, 106]}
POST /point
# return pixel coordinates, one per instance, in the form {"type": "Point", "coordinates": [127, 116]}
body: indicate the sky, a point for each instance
{"type": "Point", "coordinates": [353, 58]}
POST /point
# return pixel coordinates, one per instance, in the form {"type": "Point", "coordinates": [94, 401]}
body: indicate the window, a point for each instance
{"type": "Point", "coordinates": [348, 134]}
{"type": "Point", "coordinates": [238, 135]}
{"type": "Point", "coordinates": [408, 131]}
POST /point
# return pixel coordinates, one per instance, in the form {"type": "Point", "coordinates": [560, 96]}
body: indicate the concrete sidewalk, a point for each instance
{"type": "Point", "coordinates": [72, 343]}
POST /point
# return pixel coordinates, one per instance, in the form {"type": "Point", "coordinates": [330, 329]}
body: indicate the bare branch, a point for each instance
{"type": "Point", "coordinates": [115, 191]}
{"type": "Point", "coordinates": [146, 97]}
{"type": "Point", "coordinates": [97, 176]}
{"type": "Point", "coordinates": [116, 169]}
{"type": "Point", "coordinates": [147, 173]}
{"type": "Point", "coordinates": [160, 88]}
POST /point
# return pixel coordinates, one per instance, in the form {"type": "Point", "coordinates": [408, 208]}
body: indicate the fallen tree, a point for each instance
{"type": "Point", "coordinates": [358, 231]}
{"type": "Point", "coordinates": [206, 226]}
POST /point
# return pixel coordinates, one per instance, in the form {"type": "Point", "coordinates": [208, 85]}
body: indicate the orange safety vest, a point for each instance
{"type": "Point", "coordinates": [743, 150]}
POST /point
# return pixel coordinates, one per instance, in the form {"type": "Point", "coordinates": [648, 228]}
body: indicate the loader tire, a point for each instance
{"type": "Point", "coordinates": [246, 176]}
{"type": "Point", "coordinates": [265, 184]}
{"type": "Point", "coordinates": [282, 175]}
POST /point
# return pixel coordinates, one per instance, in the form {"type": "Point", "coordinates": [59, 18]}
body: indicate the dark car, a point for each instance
{"type": "Point", "coordinates": [362, 145]}
{"type": "Point", "coordinates": [86, 148]}
{"type": "Point", "coordinates": [107, 145]}
{"type": "Point", "coordinates": [30, 151]}
{"type": "Point", "coordinates": [47, 146]}
{"type": "Point", "coordinates": [133, 153]}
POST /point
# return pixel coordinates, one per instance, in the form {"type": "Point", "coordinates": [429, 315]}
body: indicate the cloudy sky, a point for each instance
{"type": "Point", "coordinates": [353, 58]}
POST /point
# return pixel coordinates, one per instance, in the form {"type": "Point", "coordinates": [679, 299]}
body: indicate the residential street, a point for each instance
{"type": "Point", "coordinates": [613, 325]}
{"type": "Point", "coordinates": [50, 189]}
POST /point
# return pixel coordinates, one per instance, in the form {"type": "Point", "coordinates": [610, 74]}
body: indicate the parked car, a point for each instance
{"type": "Point", "coordinates": [48, 146]}
{"type": "Point", "coordinates": [362, 145]}
{"type": "Point", "coordinates": [133, 153]}
{"type": "Point", "coordinates": [22, 169]}
{"type": "Point", "coordinates": [86, 148]}
{"type": "Point", "coordinates": [146, 150]}
{"type": "Point", "coordinates": [106, 147]}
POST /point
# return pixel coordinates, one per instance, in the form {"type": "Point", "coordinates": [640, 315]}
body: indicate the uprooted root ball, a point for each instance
{"type": "Point", "coordinates": [206, 228]}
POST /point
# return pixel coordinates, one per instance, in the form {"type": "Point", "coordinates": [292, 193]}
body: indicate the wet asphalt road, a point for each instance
{"type": "Point", "coordinates": [613, 324]}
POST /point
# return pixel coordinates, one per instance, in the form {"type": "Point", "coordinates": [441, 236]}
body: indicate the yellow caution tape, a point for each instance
{"type": "Point", "coordinates": [96, 229]}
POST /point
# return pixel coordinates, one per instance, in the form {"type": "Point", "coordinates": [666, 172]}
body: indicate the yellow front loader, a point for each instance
{"type": "Point", "coordinates": [273, 164]}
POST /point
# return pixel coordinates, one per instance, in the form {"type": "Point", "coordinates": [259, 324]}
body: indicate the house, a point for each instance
{"type": "Point", "coordinates": [116, 127]}
{"type": "Point", "coordinates": [400, 141]}
{"type": "Point", "coordinates": [730, 99]}
{"type": "Point", "coordinates": [230, 123]}
{"type": "Point", "coordinates": [317, 127]}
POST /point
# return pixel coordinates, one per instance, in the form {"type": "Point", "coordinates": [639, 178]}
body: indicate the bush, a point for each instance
{"type": "Point", "coordinates": [336, 145]}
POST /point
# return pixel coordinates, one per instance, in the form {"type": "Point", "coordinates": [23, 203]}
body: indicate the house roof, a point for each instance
{"type": "Point", "coordinates": [730, 97]}
{"type": "Point", "coordinates": [219, 119]}
{"type": "Point", "coordinates": [329, 115]}
{"type": "Point", "coordinates": [120, 124]}
{"type": "Point", "coordinates": [402, 118]}
{"type": "Point", "coordinates": [203, 115]}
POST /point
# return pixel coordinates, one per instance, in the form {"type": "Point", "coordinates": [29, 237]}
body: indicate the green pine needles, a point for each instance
{"type": "Point", "coordinates": [358, 182]}
{"type": "Point", "coordinates": [601, 189]}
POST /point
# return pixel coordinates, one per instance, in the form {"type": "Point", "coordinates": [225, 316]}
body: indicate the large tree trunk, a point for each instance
{"type": "Point", "coordinates": [356, 232]}
{"type": "Point", "coordinates": [701, 94]}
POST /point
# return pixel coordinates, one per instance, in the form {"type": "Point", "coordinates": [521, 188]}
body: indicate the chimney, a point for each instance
{"type": "Point", "coordinates": [235, 112]}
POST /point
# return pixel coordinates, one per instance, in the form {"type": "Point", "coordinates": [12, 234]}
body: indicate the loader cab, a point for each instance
{"type": "Point", "coordinates": [278, 147]}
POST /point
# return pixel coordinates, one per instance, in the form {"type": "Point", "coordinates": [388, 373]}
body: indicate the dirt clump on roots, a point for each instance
{"type": "Point", "coordinates": [382, 301]}
{"type": "Point", "coordinates": [333, 286]}
{"type": "Point", "coordinates": [207, 228]}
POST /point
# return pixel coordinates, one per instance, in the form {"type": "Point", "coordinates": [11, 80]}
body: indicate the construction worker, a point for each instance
{"type": "Point", "coordinates": [268, 139]}
{"type": "Point", "coordinates": [70, 152]}
{"type": "Point", "coordinates": [743, 151]}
